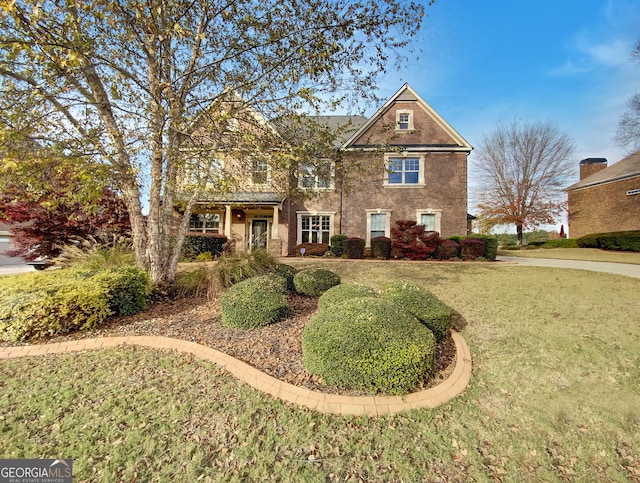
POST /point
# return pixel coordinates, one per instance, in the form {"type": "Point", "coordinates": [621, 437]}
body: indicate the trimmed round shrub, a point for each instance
{"type": "Point", "coordinates": [422, 304]}
{"type": "Point", "coordinates": [314, 281]}
{"type": "Point", "coordinates": [368, 344]}
{"type": "Point", "coordinates": [337, 248]}
{"type": "Point", "coordinates": [255, 302]}
{"type": "Point", "coordinates": [288, 272]}
{"type": "Point", "coordinates": [343, 293]}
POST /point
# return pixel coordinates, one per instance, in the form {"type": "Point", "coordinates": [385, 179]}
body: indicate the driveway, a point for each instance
{"type": "Point", "coordinates": [615, 268]}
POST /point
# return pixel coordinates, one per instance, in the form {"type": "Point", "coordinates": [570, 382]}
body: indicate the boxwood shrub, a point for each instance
{"type": "Point", "coordinates": [59, 301]}
{"type": "Point", "coordinates": [343, 293]}
{"type": "Point", "coordinates": [288, 272]}
{"type": "Point", "coordinates": [368, 344]}
{"type": "Point", "coordinates": [255, 302]}
{"type": "Point", "coordinates": [314, 281]}
{"type": "Point", "coordinates": [337, 247]}
{"type": "Point", "coordinates": [422, 304]}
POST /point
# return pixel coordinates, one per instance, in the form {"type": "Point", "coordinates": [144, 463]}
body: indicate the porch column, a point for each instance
{"type": "Point", "coordinates": [227, 221]}
{"type": "Point", "coordinates": [275, 223]}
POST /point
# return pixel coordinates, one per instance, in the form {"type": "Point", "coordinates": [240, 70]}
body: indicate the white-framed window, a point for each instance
{"type": "Point", "coordinates": [430, 218]}
{"type": "Point", "coordinates": [405, 170]}
{"type": "Point", "coordinates": [316, 175]}
{"type": "Point", "coordinates": [315, 227]}
{"type": "Point", "coordinates": [378, 224]}
{"type": "Point", "coordinates": [259, 172]}
{"type": "Point", "coordinates": [404, 120]}
{"type": "Point", "coordinates": [205, 223]}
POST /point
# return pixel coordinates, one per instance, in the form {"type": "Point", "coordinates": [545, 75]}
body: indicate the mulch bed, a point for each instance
{"type": "Point", "coordinates": [275, 349]}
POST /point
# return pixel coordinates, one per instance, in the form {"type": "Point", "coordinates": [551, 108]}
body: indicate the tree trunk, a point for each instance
{"type": "Point", "coordinates": [519, 233]}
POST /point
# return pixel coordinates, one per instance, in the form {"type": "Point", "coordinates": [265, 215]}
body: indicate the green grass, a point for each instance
{"type": "Point", "coordinates": [554, 396]}
{"type": "Point", "coordinates": [587, 254]}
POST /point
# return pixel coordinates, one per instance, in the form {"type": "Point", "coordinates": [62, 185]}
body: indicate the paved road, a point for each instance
{"type": "Point", "coordinates": [10, 269]}
{"type": "Point", "coordinates": [616, 268]}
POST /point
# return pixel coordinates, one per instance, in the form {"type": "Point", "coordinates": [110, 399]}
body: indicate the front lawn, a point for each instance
{"type": "Point", "coordinates": [554, 396]}
{"type": "Point", "coordinates": [586, 254]}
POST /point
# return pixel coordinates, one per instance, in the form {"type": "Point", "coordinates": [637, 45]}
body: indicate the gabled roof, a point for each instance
{"type": "Point", "coordinates": [628, 167]}
{"type": "Point", "coordinates": [406, 93]}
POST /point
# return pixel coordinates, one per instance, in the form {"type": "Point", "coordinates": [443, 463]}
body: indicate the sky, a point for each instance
{"type": "Point", "coordinates": [565, 61]}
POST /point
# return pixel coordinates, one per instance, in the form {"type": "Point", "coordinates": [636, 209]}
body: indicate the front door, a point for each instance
{"type": "Point", "coordinates": [259, 234]}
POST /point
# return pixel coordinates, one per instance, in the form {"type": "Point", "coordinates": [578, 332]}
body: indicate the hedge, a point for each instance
{"type": "Point", "coordinates": [447, 249]}
{"type": "Point", "coordinates": [255, 302]}
{"type": "Point", "coordinates": [491, 248]}
{"type": "Point", "coordinates": [368, 344]}
{"type": "Point", "coordinates": [311, 249]}
{"type": "Point", "coordinates": [59, 301]}
{"type": "Point", "coordinates": [619, 241]}
{"type": "Point", "coordinates": [471, 248]}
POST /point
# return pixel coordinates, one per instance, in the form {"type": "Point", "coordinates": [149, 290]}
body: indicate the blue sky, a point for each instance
{"type": "Point", "coordinates": [567, 61]}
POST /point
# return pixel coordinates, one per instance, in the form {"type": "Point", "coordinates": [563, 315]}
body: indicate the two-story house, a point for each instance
{"type": "Point", "coordinates": [404, 163]}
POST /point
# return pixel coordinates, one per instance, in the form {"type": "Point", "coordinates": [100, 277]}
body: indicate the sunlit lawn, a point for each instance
{"type": "Point", "coordinates": [555, 395]}
{"type": "Point", "coordinates": [587, 254]}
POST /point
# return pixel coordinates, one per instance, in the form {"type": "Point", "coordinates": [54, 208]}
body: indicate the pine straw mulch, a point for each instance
{"type": "Point", "coordinates": [275, 349]}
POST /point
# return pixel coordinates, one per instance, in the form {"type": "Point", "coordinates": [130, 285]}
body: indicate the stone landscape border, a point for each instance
{"type": "Point", "coordinates": [451, 387]}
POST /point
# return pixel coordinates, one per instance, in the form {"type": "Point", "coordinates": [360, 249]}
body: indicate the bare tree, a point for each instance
{"type": "Point", "coordinates": [124, 81]}
{"type": "Point", "coordinates": [520, 172]}
{"type": "Point", "coordinates": [628, 133]}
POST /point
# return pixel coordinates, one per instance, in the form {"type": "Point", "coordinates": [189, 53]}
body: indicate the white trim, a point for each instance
{"type": "Point", "coordinates": [430, 211]}
{"type": "Point", "coordinates": [387, 223]}
{"type": "Point", "coordinates": [409, 113]}
{"type": "Point", "coordinates": [404, 155]}
{"type": "Point", "coordinates": [300, 214]}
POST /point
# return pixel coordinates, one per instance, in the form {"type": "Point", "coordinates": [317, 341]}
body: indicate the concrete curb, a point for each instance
{"type": "Point", "coordinates": [454, 385]}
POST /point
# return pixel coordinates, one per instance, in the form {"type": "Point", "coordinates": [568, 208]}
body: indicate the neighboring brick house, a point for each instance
{"type": "Point", "coordinates": [405, 162]}
{"type": "Point", "coordinates": [606, 199]}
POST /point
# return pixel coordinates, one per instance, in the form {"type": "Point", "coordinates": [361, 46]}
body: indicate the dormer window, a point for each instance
{"type": "Point", "coordinates": [404, 120]}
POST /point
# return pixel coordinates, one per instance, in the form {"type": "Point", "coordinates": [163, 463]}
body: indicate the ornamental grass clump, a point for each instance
{"type": "Point", "coordinates": [422, 304]}
{"type": "Point", "coordinates": [369, 344]}
{"type": "Point", "coordinates": [343, 293]}
{"type": "Point", "coordinates": [255, 302]}
{"type": "Point", "coordinates": [314, 281]}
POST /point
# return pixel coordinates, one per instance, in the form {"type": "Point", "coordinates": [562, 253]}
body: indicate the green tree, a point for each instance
{"type": "Point", "coordinates": [520, 172]}
{"type": "Point", "coordinates": [124, 82]}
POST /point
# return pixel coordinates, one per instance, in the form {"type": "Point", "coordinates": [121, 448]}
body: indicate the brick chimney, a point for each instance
{"type": "Point", "coordinates": [590, 166]}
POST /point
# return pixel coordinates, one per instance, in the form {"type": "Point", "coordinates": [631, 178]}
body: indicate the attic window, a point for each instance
{"type": "Point", "coordinates": [404, 120]}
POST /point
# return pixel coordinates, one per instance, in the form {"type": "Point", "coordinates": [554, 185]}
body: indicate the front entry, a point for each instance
{"type": "Point", "coordinates": [259, 233]}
